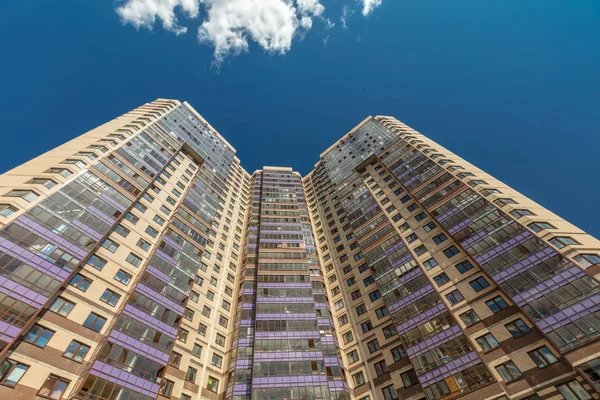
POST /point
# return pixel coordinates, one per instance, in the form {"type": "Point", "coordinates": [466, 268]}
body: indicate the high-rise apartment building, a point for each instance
{"type": "Point", "coordinates": [141, 261]}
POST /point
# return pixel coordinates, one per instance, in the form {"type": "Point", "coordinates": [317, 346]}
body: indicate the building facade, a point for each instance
{"type": "Point", "coordinates": [141, 261]}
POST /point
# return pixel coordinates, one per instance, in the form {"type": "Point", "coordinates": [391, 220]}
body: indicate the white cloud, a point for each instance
{"type": "Point", "coordinates": [143, 13]}
{"type": "Point", "coordinates": [310, 7]}
{"type": "Point", "coordinates": [369, 6]}
{"type": "Point", "coordinates": [229, 25]}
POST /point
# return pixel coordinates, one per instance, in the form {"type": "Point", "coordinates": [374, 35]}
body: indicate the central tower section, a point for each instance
{"type": "Point", "coordinates": [284, 343]}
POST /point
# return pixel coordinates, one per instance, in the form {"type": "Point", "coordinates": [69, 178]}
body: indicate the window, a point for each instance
{"type": "Point", "coordinates": [389, 331]}
{"type": "Point", "coordinates": [398, 353]}
{"type": "Point", "coordinates": [451, 251]}
{"type": "Point", "coordinates": [389, 393]}
{"type": "Point", "coordinates": [359, 379]}
{"type": "Point", "coordinates": [487, 192]}
{"type": "Point", "coordinates": [573, 391]}
{"type": "Point", "coordinates": [409, 378]}
{"type": "Point", "coordinates": [110, 245]}
{"type": "Point", "coordinates": [411, 238]}
{"type": "Point", "coordinates": [27, 195]}
{"type": "Point", "coordinates": [206, 311]}
{"type": "Point", "coordinates": [142, 244]}
{"type": "Point", "coordinates": [94, 322]}
{"type": "Point", "coordinates": [131, 218]}
{"type": "Point", "coordinates": [352, 356]}
{"type": "Point", "coordinates": [368, 280]}
{"type": "Point", "coordinates": [366, 326]}
{"type": "Point", "coordinates": [360, 310]}
{"type": "Point", "coordinates": [202, 329]}
{"type": "Point", "coordinates": [158, 220]}
{"type": "Point", "coordinates": [476, 183]}
{"type": "Point", "coordinates": [420, 216]}
{"type": "Point", "coordinates": [508, 371]}
{"type": "Point", "coordinates": [217, 360]}
{"type": "Point", "coordinates": [148, 198]}
{"type": "Point", "coordinates": [220, 340]}
{"type": "Point", "coordinates": [226, 305]}
{"type": "Point", "coordinates": [190, 375]}
{"type": "Point", "coordinates": [542, 357]}
{"type": "Point", "coordinates": [487, 342]}
{"type": "Point", "coordinates": [380, 368]}
{"type": "Point", "coordinates": [587, 260]}
{"type": "Point", "coordinates": [420, 250]}
{"type": "Point", "coordinates": [405, 199]}
{"type": "Point", "coordinates": [80, 282]}
{"type": "Point", "coordinates": [96, 262]}
{"type": "Point", "coordinates": [133, 260]}
{"type": "Point", "coordinates": [520, 213]}
{"type": "Point", "coordinates": [48, 183]}
{"type": "Point", "coordinates": [212, 384]}
{"type": "Point", "coordinates": [373, 345]}
{"type": "Point", "coordinates": [412, 207]}
{"type": "Point", "coordinates": [140, 207]}
{"type": "Point", "coordinates": [504, 202]}
{"type": "Point", "coordinates": [517, 328]}
{"type": "Point", "coordinates": [151, 231]}
{"type": "Point", "coordinates": [194, 296]}
{"type": "Point", "coordinates": [441, 279]}
{"type": "Point", "coordinates": [123, 277]}
{"type": "Point", "coordinates": [182, 335]}
{"type": "Point", "coordinates": [469, 318]}
{"type": "Point", "coordinates": [479, 284]}
{"type": "Point", "coordinates": [197, 350]}
{"type": "Point", "coordinates": [347, 337]}
{"type": "Point", "coordinates": [496, 304]}
{"type": "Point", "coordinates": [11, 372]}
{"type": "Point", "coordinates": [38, 335]}
{"type": "Point", "coordinates": [382, 312]}
{"type": "Point", "coordinates": [165, 210]}
{"type": "Point", "coordinates": [77, 163]}
{"type": "Point", "coordinates": [439, 238]}
{"type": "Point", "coordinates": [429, 227]}
{"type": "Point", "coordinates": [53, 388]}
{"type": "Point", "coordinates": [6, 210]}
{"type": "Point", "coordinates": [455, 297]}
{"type": "Point", "coordinates": [464, 267]}
{"type": "Point", "coordinates": [109, 297]}
{"type": "Point", "coordinates": [121, 230]}
{"type": "Point", "coordinates": [61, 306]}
{"type": "Point", "coordinates": [343, 320]}
{"type": "Point", "coordinates": [374, 295]}
{"type": "Point", "coordinates": [76, 351]}
{"type": "Point", "coordinates": [540, 226]}
{"type": "Point", "coordinates": [562, 241]}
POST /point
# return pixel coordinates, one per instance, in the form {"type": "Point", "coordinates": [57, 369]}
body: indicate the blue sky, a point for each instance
{"type": "Point", "coordinates": [512, 86]}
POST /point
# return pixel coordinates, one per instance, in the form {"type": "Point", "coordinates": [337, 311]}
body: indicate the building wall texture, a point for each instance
{"type": "Point", "coordinates": [141, 261]}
